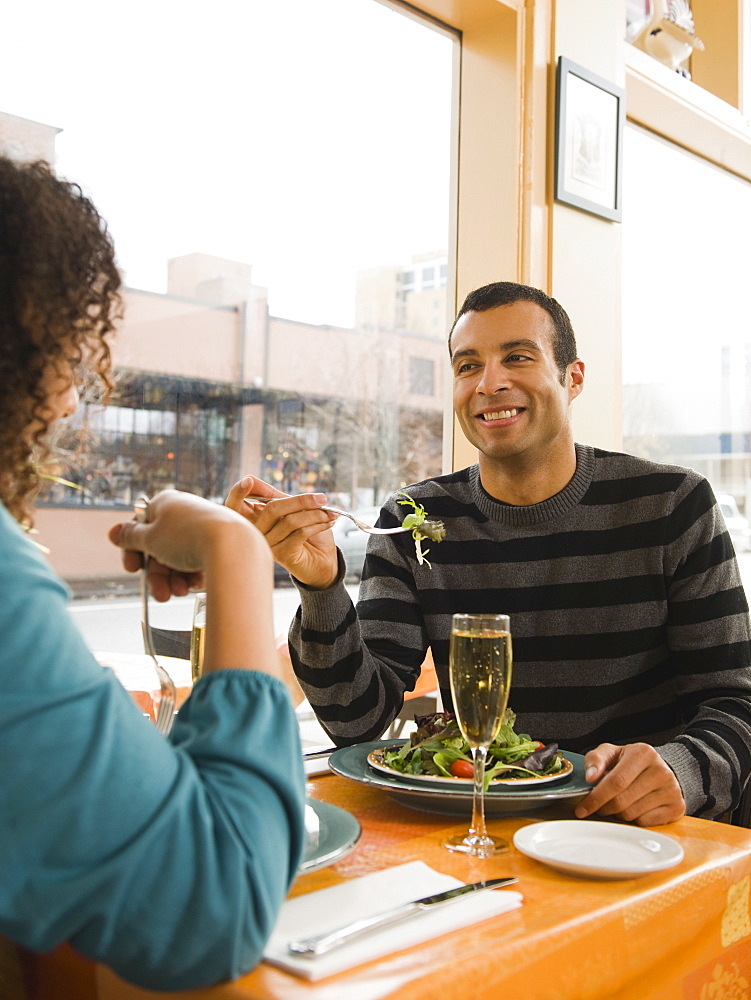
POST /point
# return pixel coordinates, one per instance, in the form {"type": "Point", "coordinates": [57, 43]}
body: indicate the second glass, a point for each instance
{"type": "Point", "coordinates": [480, 677]}
{"type": "Point", "coordinates": [198, 637]}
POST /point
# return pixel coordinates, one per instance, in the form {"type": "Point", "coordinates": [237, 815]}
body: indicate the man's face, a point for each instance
{"type": "Point", "coordinates": [508, 394]}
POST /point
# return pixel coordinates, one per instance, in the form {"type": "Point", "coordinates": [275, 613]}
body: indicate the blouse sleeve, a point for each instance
{"type": "Point", "coordinates": [167, 860]}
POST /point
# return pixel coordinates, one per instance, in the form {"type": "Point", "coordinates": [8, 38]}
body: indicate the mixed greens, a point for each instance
{"type": "Point", "coordinates": [437, 744]}
{"type": "Point", "coordinates": [422, 528]}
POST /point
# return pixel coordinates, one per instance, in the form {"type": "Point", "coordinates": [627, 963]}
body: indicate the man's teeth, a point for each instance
{"type": "Point", "coordinates": [500, 415]}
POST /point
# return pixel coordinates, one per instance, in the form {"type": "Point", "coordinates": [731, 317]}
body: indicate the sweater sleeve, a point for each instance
{"type": "Point", "coordinates": [167, 860]}
{"type": "Point", "coordinates": [355, 665]}
{"type": "Point", "coordinates": [708, 635]}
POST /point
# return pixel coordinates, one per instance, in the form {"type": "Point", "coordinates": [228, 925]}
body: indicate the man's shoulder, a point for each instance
{"type": "Point", "coordinates": [619, 464]}
{"type": "Point", "coordinates": [446, 491]}
{"type": "Point", "coordinates": [450, 483]}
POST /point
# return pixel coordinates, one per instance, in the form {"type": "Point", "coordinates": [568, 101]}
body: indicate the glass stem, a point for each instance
{"type": "Point", "coordinates": [477, 831]}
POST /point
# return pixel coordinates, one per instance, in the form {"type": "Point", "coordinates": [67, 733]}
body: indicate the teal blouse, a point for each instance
{"type": "Point", "coordinates": [167, 860]}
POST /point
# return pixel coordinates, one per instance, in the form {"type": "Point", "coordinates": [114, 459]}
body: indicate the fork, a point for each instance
{"type": "Point", "coordinates": [165, 715]}
{"type": "Point", "coordinates": [335, 510]}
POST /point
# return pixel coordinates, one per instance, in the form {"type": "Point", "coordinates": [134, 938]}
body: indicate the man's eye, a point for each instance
{"type": "Point", "coordinates": [519, 357]}
{"type": "Point", "coordinates": [467, 366]}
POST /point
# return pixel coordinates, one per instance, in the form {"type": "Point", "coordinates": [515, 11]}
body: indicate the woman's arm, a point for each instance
{"type": "Point", "coordinates": [166, 860]}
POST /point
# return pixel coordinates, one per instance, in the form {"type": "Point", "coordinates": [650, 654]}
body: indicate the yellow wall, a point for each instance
{"type": "Point", "coordinates": [585, 249]}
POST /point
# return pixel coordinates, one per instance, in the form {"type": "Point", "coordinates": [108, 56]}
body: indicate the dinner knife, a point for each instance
{"type": "Point", "coordinates": [315, 752]}
{"type": "Point", "coordinates": [321, 943]}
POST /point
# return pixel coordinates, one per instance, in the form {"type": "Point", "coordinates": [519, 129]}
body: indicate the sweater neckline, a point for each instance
{"type": "Point", "coordinates": [537, 513]}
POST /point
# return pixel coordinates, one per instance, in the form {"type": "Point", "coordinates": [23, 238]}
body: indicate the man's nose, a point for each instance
{"type": "Point", "coordinates": [494, 379]}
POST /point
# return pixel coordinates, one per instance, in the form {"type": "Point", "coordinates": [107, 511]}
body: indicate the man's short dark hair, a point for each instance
{"type": "Point", "coordinates": [505, 293]}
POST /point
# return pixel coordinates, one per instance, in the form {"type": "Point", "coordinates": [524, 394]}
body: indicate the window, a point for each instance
{"type": "Point", "coordinates": [686, 335]}
{"type": "Point", "coordinates": [242, 237]}
{"type": "Point", "coordinates": [421, 376]}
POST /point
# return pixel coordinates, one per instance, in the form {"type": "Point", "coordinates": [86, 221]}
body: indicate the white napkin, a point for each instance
{"type": "Point", "coordinates": [318, 912]}
{"type": "Point", "coordinates": [317, 765]}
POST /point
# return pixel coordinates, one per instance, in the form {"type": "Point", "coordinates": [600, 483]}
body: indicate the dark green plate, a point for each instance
{"type": "Point", "coordinates": [352, 762]}
{"type": "Point", "coordinates": [331, 834]}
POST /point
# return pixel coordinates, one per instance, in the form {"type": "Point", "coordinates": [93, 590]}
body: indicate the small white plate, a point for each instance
{"type": "Point", "coordinates": [598, 849]}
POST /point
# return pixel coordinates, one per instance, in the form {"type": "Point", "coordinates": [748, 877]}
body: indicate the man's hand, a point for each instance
{"type": "Point", "coordinates": [633, 783]}
{"type": "Point", "coordinates": [295, 528]}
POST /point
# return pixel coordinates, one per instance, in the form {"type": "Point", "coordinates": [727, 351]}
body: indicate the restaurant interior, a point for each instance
{"type": "Point", "coordinates": [599, 150]}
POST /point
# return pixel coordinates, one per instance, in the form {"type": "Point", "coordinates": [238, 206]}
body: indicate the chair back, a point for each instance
{"type": "Point", "coordinates": [741, 815]}
{"type": "Point", "coordinates": [169, 642]}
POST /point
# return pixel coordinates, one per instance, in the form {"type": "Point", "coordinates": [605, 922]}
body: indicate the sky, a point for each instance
{"type": "Point", "coordinates": [308, 138]}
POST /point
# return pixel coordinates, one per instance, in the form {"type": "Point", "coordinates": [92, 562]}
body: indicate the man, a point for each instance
{"type": "Point", "coordinates": [629, 621]}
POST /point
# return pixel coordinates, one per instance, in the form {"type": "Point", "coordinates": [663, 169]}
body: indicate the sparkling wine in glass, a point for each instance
{"type": "Point", "coordinates": [198, 637]}
{"type": "Point", "coordinates": [480, 677]}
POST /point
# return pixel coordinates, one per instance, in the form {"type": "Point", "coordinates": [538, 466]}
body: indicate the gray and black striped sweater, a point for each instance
{"type": "Point", "coordinates": [628, 618]}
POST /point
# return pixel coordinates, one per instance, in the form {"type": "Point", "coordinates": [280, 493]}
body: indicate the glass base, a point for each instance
{"type": "Point", "coordinates": [477, 847]}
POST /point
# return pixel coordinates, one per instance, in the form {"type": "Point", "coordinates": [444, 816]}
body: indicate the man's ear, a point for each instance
{"type": "Point", "coordinates": [575, 378]}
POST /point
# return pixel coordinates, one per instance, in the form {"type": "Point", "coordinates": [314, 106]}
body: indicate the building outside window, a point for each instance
{"type": "Point", "coordinates": [243, 349]}
{"type": "Point", "coordinates": [421, 376]}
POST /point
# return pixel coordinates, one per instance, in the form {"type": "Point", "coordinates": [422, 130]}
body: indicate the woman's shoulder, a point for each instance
{"type": "Point", "coordinates": [22, 561]}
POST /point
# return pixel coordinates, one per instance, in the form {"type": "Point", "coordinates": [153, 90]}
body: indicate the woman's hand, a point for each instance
{"type": "Point", "coordinates": [179, 536]}
{"type": "Point", "coordinates": [194, 544]}
{"type": "Point", "coordinates": [295, 528]}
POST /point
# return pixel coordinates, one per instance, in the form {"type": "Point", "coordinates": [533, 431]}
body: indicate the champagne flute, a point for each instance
{"type": "Point", "coordinates": [198, 637]}
{"type": "Point", "coordinates": [480, 677]}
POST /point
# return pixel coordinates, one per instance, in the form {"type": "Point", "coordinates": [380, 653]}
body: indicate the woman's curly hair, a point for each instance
{"type": "Point", "coordinates": [59, 299]}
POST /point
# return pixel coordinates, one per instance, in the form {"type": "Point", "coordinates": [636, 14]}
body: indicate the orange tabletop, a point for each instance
{"type": "Point", "coordinates": [683, 933]}
{"type": "Point", "coordinates": [136, 673]}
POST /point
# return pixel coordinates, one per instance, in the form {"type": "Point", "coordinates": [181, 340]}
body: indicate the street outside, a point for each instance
{"type": "Point", "coordinates": [114, 623]}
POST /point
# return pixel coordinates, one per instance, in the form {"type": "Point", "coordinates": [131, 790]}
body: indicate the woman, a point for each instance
{"type": "Point", "coordinates": [166, 860]}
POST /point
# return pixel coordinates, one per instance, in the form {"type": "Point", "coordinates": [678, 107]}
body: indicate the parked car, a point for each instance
{"type": "Point", "coordinates": [738, 526]}
{"type": "Point", "coordinates": [351, 541]}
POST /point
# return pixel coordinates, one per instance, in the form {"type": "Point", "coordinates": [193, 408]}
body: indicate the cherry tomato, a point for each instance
{"type": "Point", "coordinates": [462, 769]}
{"type": "Point", "coordinates": [538, 745]}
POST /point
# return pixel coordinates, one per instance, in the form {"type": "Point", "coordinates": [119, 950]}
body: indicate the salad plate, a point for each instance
{"type": "Point", "coordinates": [377, 761]}
{"type": "Point", "coordinates": [450, 799]}
{"type": "Point", "coordinates": [331, 838]}
{"type": "Point", "coordinates": [598, 849]}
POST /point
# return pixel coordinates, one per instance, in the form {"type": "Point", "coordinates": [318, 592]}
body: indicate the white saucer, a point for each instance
{"type": "Point", "coordinates": [598, 849]}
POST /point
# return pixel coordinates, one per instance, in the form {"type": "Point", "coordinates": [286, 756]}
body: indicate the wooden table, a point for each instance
{"type": "Point", "coordinates": [684, 933]}
{"type": "Point", "coordinates": [136, 673]}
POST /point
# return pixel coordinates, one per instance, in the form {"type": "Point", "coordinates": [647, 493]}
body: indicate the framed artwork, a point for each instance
{"type": "Point", "coordinates": [589, 118]}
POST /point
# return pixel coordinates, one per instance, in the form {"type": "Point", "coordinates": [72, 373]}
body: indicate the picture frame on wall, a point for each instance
{"type": "Point", "coordinates": [589, 118]}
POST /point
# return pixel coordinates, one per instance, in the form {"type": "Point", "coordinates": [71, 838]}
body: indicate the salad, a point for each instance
{"type": "Point", "coordinates": [422, 528]}
{"type": "Point", "coordinates": [437, 747]}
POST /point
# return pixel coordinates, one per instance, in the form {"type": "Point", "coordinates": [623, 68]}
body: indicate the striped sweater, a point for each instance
{"type": "Point", "coordinates": [628, 617]}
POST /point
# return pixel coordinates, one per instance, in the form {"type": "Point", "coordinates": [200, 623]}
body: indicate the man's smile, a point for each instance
{"type": "Point", "coordinates": [500, 414]}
